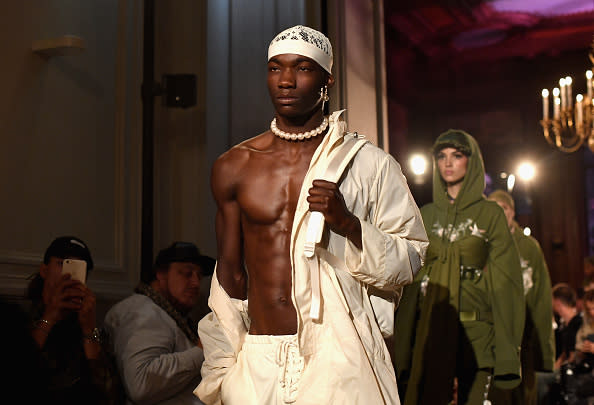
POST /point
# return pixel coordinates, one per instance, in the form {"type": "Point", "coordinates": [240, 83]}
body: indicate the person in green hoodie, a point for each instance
{"type": "Point", "coordinates": [538, 342]}
{"type": "Point", "coordinates": [462, 317]}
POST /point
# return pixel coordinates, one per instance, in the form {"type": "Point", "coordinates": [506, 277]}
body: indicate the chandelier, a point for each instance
{"type": "Point", "coordinates": [572, 124]}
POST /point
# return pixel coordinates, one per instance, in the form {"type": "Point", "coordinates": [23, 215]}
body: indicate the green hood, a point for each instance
{"type": "Point", "coordinates": [473, 184]}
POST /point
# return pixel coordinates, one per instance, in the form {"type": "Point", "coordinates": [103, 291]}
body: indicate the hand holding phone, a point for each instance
{"type": "Point", "coordinates": [76, 268]}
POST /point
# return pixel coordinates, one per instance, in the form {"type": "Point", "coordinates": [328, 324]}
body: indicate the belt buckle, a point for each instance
{"type": "Point", "coordinates": [466, 273]}
{"type": "Point", "coordinates": [466, 316]}
{"type": "Point", "coordinates": [469, 273]}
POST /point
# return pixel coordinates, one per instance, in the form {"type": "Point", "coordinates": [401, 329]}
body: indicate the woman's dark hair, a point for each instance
{"type": "Point", "coordinates": [452, 138]}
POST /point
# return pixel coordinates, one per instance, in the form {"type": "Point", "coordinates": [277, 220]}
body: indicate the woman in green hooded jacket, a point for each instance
{"type": "Point", "coordinates": [462, 318]}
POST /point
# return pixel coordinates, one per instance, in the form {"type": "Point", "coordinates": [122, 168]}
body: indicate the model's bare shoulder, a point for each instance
{"type": "Point", "coordinates": [228, 169]}
{"type": "Point", "coordinates": [225, 171]}
{"type": "Point", "coordinates": [262, 143]}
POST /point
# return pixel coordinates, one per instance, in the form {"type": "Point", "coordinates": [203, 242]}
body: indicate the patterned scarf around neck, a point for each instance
{"type": "Point", "coordinates": [162, 302]}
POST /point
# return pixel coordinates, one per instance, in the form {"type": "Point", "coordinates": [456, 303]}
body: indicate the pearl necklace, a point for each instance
{"type": "Point", "coordinates": [300, 136]}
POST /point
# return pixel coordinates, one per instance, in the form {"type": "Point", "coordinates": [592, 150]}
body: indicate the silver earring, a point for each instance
{"type": "Point", "coordinates": [324, 95]}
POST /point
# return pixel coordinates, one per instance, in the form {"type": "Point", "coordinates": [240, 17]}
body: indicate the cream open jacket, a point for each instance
{"type": "Point", "coordinates": [358, 369]}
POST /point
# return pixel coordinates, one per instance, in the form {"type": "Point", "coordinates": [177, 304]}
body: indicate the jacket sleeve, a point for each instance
{"type": "Point", "coordinates": [506, 295]}
{"type": "Point", "coordinates": [219, 357]}
{"type": "Point", "coordinates": [393, 236]}
{"type": "Point", "coordinates": [150, 371]}
{"type": "Point", "coordinates": [222, 333]}
{"type": "Point", "coordinates": [539, 303]}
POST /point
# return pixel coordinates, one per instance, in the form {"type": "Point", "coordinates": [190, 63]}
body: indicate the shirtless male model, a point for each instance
{"type": "Point", "coordinates": [293, 322]}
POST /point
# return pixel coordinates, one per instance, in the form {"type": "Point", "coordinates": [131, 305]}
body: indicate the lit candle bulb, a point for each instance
{"type": "Point", "coordinates": [569, 97]}
{"type": "Point", "coordinates": [589, 83]}
{"type": "Point", "coordinates": [578, 110]}
{"type": "Point", "coordinates": [562, 87]}
{"type": "Point", "coordinates": [545, 104]}
{"type": "Point", "coordinates": [556, 101]}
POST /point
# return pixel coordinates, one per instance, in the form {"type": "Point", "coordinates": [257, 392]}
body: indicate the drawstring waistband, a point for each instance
{"type": "Point", "coordinates": [291, 364]}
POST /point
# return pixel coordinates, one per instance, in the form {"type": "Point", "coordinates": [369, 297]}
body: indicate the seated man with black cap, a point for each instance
{"type": "Point", "coordinates": [157, 349]}
{"type": "Point", "coordinates": [76, 366]}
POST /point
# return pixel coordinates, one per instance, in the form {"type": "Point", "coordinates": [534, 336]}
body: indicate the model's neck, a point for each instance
{"type": "Point", "coordinates": [300, 124]}
{"type": "Point", "coordinates": [454, 190]}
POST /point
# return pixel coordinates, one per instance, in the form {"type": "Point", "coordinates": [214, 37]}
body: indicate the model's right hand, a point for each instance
{"type": "Point", "coordinates": [325, 197]}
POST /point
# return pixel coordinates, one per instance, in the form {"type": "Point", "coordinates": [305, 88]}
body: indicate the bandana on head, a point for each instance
{"type": "Point", "coordinates": [301, 40]}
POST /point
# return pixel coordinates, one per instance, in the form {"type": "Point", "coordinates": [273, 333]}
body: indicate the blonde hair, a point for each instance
{"type": "Point", "coordinates": [503, 197]}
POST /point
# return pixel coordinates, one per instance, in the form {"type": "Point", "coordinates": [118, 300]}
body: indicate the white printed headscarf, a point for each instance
{"type": "Point", "coordinates": [302, 40]}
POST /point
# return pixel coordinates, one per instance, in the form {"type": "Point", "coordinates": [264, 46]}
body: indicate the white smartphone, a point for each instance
{"type": "Point", "coordinates": [76, 268]}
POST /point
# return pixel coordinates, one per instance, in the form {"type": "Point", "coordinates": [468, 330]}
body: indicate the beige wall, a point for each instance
{"type": "Point", "coordinates": [356, 29]}
{"type": "Point", "coordinates": [69, 130]}
{"type": "Point", "coordinates": [181, 186]}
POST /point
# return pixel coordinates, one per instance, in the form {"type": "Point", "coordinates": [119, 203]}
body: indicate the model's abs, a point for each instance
{"type": "Point", "coordinates": [266, 229]}
{"type": "Point", "coordinates": [268, 265]}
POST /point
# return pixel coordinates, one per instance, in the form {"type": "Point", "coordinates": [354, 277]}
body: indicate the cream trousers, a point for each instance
{"type": "Point", "coordinates": [268, 372]}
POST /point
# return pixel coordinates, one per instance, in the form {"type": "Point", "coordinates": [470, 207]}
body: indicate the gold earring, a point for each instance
{"type": "Point", "coordinates": [324, 94]}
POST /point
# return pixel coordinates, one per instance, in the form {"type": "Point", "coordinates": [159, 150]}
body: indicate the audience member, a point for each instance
{"type": "Point", "coordinates": [552, 387]}
{"type": "Point", "coordinates": [201, 309]}
{"type": "Point", "coordinates": [538, 341]}
{"type": "Point", "coordinates": [63, 311]}
{"type": "Point", "coordinates": [579, 377]}
{"type": "Point", "coordinates": [584, 342]}
{"type": "Point", "coordinates": [158, 351]}
{"type": "Point", "coordinates": [564, 305]}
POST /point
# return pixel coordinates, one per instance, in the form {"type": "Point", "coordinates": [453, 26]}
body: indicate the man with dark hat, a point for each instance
{"type": "Point", "coordinates": [157, 348]}
{"type": "Point", "coordinates": [65, 329]}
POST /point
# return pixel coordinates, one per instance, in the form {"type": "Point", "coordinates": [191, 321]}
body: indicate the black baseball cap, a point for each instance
{"type": "Point", "coordinates": [184, 252]}
{"type": "Point", "coordinates": [68, 246]}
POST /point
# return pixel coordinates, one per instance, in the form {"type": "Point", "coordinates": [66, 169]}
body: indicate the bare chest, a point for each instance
{"type": "Point", "coordinates": [270, 186]}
